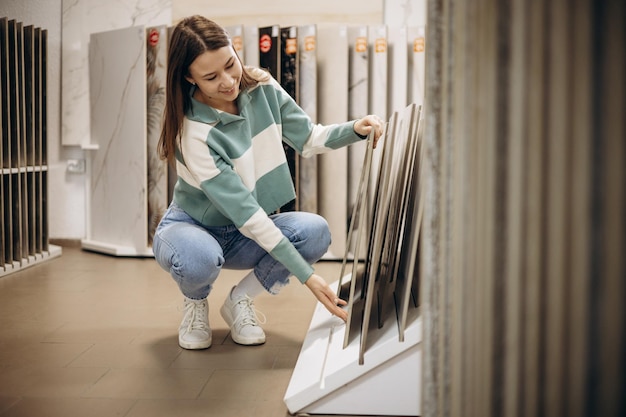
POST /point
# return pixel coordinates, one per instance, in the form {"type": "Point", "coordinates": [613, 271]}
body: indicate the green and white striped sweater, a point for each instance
{"type": "Point", "coordinates": [233, 168]}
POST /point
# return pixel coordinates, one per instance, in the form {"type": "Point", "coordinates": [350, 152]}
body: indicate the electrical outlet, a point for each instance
{"type": "Point", "coordinates": [76, 166]}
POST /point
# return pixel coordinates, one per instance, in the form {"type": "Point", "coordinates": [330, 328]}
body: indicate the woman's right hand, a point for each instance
{"type": "Point", "coordinates": [322, 291]}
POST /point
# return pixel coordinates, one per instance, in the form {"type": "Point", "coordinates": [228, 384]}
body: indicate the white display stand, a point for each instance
{"type": "Point", "coordinates": [127, 191]}
{"type": "Point", "coordinates": [328, 379]}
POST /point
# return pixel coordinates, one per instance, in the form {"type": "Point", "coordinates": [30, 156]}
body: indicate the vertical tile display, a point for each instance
{"type": "Point", "coordinates": [23, 214]}
{"type": "Point", "coordinates": [289, 80]}
{"type": "Point", "coordinates": [289, 61]}
{"type": "Point", "coordinates": [236, 33]}
{"type": "Point", "coordinates": [118, 177]}
{"type": "Point", "coordinates": [269, 50]}
{"type": "Point", "coordinates": [377, 35]}
{"type": "Point", "coordinates": [156, 71]}
{"type": "Point", "coordinates": [350, 373]}
{"type": "Point", "coordinates": [378, 80]}
{"type": "Point", "coordinates": [393, 189]}
{"type": "Point", "coordinates": [43, 140]}
{"type": "Point", "coordinates": [398, 57]}
{"type": "Point", "coordinates": [29, 135]}
{"type": "Point", "coordinates": [357, 107]}
{"type": "Point", "coordinates": [333, 66]}
{"type": "Point", "coordinates": [5, 203]}
{"type": "Point", "coordinates": [14, 135]}
{"type": "Point", "coordinates": [21, 120]}
{"type": "Point", "coordinates": [416, 63]}
{"type": "Point", "coordinates": [251, 45]}
{"type": "Point", "coordinates": [307, 49]}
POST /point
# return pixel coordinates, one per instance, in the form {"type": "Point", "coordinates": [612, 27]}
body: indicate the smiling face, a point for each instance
{"type": "Point", "coordinates": [217, 74]}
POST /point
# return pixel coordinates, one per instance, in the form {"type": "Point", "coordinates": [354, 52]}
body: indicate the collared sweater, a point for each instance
{"type": "Point", "coordinates": [232, 169]}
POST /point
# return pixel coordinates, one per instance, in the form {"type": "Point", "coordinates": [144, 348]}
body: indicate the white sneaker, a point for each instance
{"type": "Point", "coordinates": [242, 318]}
{"type": "Point", "coordinates": [194, 331]}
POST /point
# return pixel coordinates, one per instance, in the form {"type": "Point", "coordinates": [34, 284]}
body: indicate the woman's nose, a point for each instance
{"type": "Point", "coordinates": [228, 81]}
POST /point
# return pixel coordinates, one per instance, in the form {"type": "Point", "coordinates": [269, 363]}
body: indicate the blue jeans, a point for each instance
{"type": "Point", "coordinates": [194, 254]}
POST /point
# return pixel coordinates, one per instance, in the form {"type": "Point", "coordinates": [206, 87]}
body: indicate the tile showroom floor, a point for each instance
{"type": "Point", "coordinates": [87, 334]}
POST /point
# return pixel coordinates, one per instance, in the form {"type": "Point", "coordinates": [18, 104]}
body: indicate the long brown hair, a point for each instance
{"type": "Point", "coordinates": [191, 37]}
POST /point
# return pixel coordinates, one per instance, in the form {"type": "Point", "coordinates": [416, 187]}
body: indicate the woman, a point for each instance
{"type": "Point", "coordinates": [223, 128]}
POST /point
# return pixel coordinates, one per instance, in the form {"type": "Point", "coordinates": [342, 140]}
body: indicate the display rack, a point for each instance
{"type": "Point", "coordinates": [371, 364]}
{"type": "Point", "coordinates": [23, 159]}
{"type": "Point", "coordinates": [128, 184]}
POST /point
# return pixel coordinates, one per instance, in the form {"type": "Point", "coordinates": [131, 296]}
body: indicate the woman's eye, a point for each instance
{"type": "Point", "coordinates": [230, 66]}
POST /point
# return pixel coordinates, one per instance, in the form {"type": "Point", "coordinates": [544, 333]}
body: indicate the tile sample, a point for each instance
{"type": "Point", "coordinates": [377, 35]}
{"type": "Point", "coordinates": [251, 45]}
{"type": "Point", "coordinates": [118, 178]}
{"type": "Point", "coordinates": [358, 97]}
{"type": "Point", "coordinates": [416, 64]}
{"type": "Point", "coordinates": [397, 98]}
{"type": "Point", "coordinates": [289, 80]}
{"type": "Point", "coordinates": [332, 41]}
{"type": "Point", "coordinates": [307, 49]}
{"type": "Point", "coordinates": [156, 72]}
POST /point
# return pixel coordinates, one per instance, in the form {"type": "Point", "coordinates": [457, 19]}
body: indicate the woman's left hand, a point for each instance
{"type": "Point", "coordinates": [368, 123]}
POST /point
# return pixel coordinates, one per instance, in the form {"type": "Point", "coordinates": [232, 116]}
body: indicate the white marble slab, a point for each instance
{"type": "Point", "coordinates": [307, 47]}
{"type": "Point", "coordinates": [81, 18]}
{"type": "Point", "coordinates": [377, 35]}
{"type": "Point", "coordinates": [118, 163]}
{"type": "Point", "coordinates": [398, 58]}
{"type": "Point", "coordinates": [237, 38]}
{"type": "Point", "coordinates": [251, 45]}
{"type": "Point", "coordinates": [332, 80]}
{"type": "Point", "coordinates": [358, 106]}
{"type": "Point", "coordinates": [416, 64]}
{"type": "Point", "coordinates": [378, 41]}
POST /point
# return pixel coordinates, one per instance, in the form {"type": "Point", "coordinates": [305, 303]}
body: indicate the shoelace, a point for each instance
{"type": "Point", "coordinates": [195, 314]}
{"type": "Point", "coordinates": [248, 315]}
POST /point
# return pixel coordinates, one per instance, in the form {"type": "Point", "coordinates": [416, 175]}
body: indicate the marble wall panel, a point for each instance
{"type": "Point", "coordinates": [283, 12]}
{"type": "Point", "coordinates": [81, 18]}
{"type": "Point", "coordinates": [307, 48]}
{"type": "Point", "coordinates": [118, 166]}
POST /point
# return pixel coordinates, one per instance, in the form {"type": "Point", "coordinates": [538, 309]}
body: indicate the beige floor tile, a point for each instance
{"type": "Point", "coordinates": [287, 357]}
{"type": "Point", "coordinates": [64, 407]}
{"type": "Point", "coordinates": [251, 384]}
{"type": "Point", "coordinates": [93, 332]}
{"type": "Point", "coordinates": [120, 355]}
{"type": "Point", "coordinates": [218, 407]}
{"type": "Point", "coordinates": [7, 402]}
{"type": "Point", "coordinates": [150, 383]}
{"type": "Point", "coordinates": [25, 331]}
{"type": "Point", "coordinates": [49, 382]}
{"type": "Point", "coordinates": [228, 357]}
{"type": "Point", "coordinates": [14, 355]}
